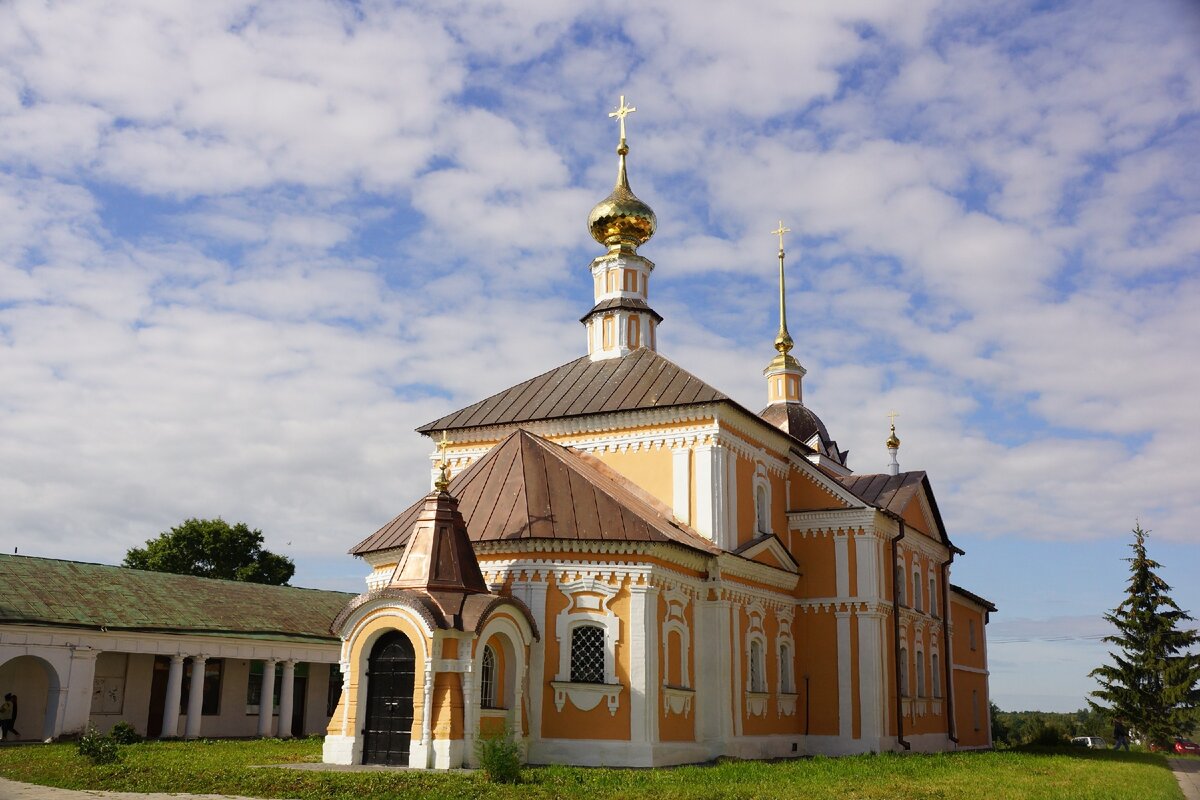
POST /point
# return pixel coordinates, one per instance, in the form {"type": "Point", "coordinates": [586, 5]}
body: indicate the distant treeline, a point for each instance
{"type": "Point", "coordinates": [1047, 727]}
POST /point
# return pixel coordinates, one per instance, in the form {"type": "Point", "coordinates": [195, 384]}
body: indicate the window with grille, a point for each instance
{"type": "Point", "coordinates": [587, 654]}
{"type": "Point", "coordinates": [487, 679]}
{"type": "Point", "coordinates": [758, 682]}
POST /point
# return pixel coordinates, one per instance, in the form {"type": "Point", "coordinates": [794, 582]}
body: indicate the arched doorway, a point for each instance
{"type": "Point", "coordinates": [35, 683]}
{"type": "Point", "coordinates": [391, 673]}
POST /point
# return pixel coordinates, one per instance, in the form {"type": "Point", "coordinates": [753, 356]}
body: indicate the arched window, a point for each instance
{"type": "Point", "coordinates": [903, 672]}
{"type": "Point", "coordinates": [937, 675]}
{"type": "Point", "coordinates": [933, 605]}
{"type": "Point", "coordinates": [487, 678]}
{"type": "Point", "coordinates": [916, 590]}
{"type": "Point", "coordinates": [587, 654]}
{"type": "Point", "coordinates": [899, 581]}
{"type": "Point", "coordinates": [758, 682]}
{"type": "Point", "coordinates": [787, 684]}
{"type": "Point", "coordinates": [920, 674]}
{"type": "Point", "coordinates": [762, 510]}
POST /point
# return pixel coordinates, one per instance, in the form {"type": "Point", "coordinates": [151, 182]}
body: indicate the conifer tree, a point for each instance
{"type": "Point", "coordinates": [1154, 680]}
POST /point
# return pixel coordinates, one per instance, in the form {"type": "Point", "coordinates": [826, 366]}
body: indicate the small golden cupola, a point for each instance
{"type": "Point", "coordinates": [893, 447]}
{"type": "Point", "coordinates": [621, 320]}
{"type": "Point", "coordinates": [784, 374]}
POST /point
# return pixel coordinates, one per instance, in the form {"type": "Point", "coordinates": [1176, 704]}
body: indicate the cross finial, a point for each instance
{"type": "Point", "coordinates": [780, 231]}
{"type": "Point", "coordinates": [621, 113]}
{"type": "Point", "coordinates": [892, 418]}
{"type": "Point", "coordinates": [443, 480]}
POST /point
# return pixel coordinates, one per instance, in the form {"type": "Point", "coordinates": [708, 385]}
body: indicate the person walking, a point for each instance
{"type": "Point", "coordinates": [6, 717]}
{"type": "Point", "coordinates": [1120, 735]}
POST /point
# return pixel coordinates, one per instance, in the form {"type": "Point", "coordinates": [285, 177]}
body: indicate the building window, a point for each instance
{"type": "Point", "coordinates": [635, 333]}
{"type": "Point", "coordinates": [587, 654]}
{"type": "Point", "coordinates": [630, 280]}
{"type": "Point", "coordinates": [762, 507]}
{"type": "Point", "coordinates": [487, 678]}
{"type": "Point", "coordinates": [334, 693]}
{"type": "Point", "coordinates": [254, 685]}
{"type": "Point", "coordinates": [933, 606]}
{"type": "Point", "coordinates": [213, 669]}
{"type": "Point", "coordinates": [609, 332]}
{"type": "Point", "coordinates": [903, 672]}
{"type": "Point", "coordinates": [975, 707]}
{"type": "Point", "coordinates": [787, 683]}
{"type": "Point", "coordinates": [971, 633]}
{"type": "Point", "coordinates": [758, 682]}
{"type": "Point", "coordinates": [899, 581]}
{"type": "Point", "coordinates": [916, 590]}
{"type": "Point", "coordinates": [937, 675]}
{"type": "Point", "coordinates": [920, 674]}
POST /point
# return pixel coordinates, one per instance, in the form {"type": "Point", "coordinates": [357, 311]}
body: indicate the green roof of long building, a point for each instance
{"type": "Point", "coordinates": [45, 591]}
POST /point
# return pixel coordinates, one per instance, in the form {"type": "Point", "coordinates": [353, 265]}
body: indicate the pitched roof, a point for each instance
{"type": "Point", "coordinates": [983, 601]}
{"type": "Point", "coordinates": [642, 379]}
{"type": "Point", "coordinates": [893, 493]}
{"type": "Point", "coordinates": [529, 488]}
{"type": "Point", "coordinates": [71, 593]}
{"type": "Point", "coordinates": [440, 558]}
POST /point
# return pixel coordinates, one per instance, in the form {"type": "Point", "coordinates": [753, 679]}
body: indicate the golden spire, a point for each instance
{"type": "Point", "coordinates": [443, 481]}
{"type": "Point", "coordinates": [783, 340]}
{"type": "Point", "coordinates": [621, 220]}
{"type": "Point", "coordinates": [893, 442]}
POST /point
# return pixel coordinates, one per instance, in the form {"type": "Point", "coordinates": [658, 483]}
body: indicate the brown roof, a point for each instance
{"type": "Point", "coordinates": [893, 493]}
{"type": "Point", "coordinates": [631, 303]}
{"type": "Point", "coordinates": [529, 488]}
{"type": "Point", "coordinates": [642, 379]}
{"type": "Point", "coordinates": [983, 601]}
{"type": "Point", "coordinates": [440, 558]}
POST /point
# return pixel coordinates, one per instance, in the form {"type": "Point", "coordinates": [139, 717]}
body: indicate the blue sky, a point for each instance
{"type": "Point", "coordinates": [246, 248]}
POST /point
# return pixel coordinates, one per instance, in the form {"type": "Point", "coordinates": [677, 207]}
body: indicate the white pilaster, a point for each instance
{"type": "Point", "coordinates": [195, 708]}
{"type": "Point", "coordinates": [643, 665]}
{"type": "Point", "coordinates": [533, 592]}
{"type": "Point", "coordinates": [286, 691]}
{"type": "Point", "coordinates": [841, 562]}
{"type": "Point", "coordinates": [77, 709]}
{"type": "Point", "coordinates": [866, 558]}
{"type": "Point", "coordinates": [735, 644]}
{"type": "Point", "coordinates": [170, 720]}
{"type": "Point", "coordinates": [681, 477]}
{"type": "Point", "coordinates": [266, 699]}
{"type": "Point", "coordinates": [427, 717]}
{"type": "Point", "coordinates": [871, 675]}
{"type": "Point", "coordinates": [731, 496]}
{"type": "Point", "coordinates": [714, 712]}
{"type": "Point", "coordinates": [845, 678]}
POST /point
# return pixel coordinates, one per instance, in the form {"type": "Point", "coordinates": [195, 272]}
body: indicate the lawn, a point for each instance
{"type": "Point", "coordinates": [228, 767]}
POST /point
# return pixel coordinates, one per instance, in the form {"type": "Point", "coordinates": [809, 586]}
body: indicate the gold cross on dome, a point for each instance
{"type": "Point", "coordinates": [442, 443]}
{"type": "Point", "coordinates": [780, 231]}
{"type": "Point", "coordinates": [892, 417]}
{"type": "Point", "coordinates": [621, 113]}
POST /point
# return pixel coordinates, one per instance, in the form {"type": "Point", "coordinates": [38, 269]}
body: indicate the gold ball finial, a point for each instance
{"type": "Point", "coordinates": [621, 220]}
{"type": "Point", "coordinates": [893, 442]}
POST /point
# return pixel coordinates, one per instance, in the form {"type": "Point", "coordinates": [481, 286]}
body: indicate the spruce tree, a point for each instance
{"type": "Point", "coordinates": [1154, 680]}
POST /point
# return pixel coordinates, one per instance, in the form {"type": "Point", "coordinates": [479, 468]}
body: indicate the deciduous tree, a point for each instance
{"type": "Point", "coordinates": [212, 548]}
{"type": "Point", "coordinates": [1153, 682]}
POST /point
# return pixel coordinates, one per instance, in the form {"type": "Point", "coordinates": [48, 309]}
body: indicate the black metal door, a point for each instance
{"type": "Point", "coordinates": [391, 672]}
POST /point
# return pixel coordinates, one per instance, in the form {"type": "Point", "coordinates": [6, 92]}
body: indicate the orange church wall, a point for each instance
{"type": "Point", "coordinates": [971, 709]}
{"type": "Point", "coordinates": [746, 523]}
{"type": "Point", "coordinates": [817, 637]}
{"type": "Point", "coordinates": [914, 519]}
{"type": "Point", "coordinates": [779, 500]}
{"type": "Point", "coordinates": [676, 727]}
{"type": "Point", "coordinates": [649, 469]}
{"type": "Point", "coordinates": [963, 617]}
{"type": "Point", "coordinates": [815, 554]}
{"type": "Point", "coordinates": [571, 723]}
{"type": "Point", "coordinates": [806, 495]}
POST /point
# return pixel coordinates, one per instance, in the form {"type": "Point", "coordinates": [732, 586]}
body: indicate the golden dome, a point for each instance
{"type": "Point", "coordinates": [621, 218]}
{"type": "Point", "coordinates": [893, 442]}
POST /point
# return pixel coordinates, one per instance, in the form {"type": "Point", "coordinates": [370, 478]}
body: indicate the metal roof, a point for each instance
{"type": "Point", "coordinates": [529, 488]}
{"type": "Point", "coordinates": [642, 379]}
{"type": "Point", "coordinates": [45, 591]}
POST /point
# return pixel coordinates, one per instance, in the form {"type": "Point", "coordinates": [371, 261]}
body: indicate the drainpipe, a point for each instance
{"type": "Point", "coordinates": [896, 636]}
{"type": "Point", "coordinates": [947, 656]}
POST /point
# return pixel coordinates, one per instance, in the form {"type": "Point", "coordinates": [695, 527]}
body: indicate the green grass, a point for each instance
{"type": "Point", "coordinates": [227, 767]}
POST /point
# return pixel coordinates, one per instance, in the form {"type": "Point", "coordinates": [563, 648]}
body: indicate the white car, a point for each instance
{"type": "Point", "coordinates": [1089, 741]}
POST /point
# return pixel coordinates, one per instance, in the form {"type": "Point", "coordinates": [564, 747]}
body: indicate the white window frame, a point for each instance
{"type": "Point", "coordinates": [762, 500]}
{"type": "Point", "coordinates": [589, 605]}
{"type": "Point", "coordinates": [917, 591]}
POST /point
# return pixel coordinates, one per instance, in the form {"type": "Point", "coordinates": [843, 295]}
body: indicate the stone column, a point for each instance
{"type": "Point", "coordinates": [77, 703]}
{"type": "Point", "coordinates": [286, 690]}
{"type": "Point", "coordinates": [195, 708]}
{"type": "Point", "coordinates": [266, 698]}
{"type": "Point", "coordinates": [170, 720]}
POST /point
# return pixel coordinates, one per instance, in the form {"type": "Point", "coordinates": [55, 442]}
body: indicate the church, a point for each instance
{"type": "Point", "coordinates": [620, 565]}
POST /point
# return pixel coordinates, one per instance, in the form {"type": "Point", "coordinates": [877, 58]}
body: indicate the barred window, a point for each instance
{"type": "Point", "coordinates": [758, 682]}
{"type": "Point", "coordinates": [487, 679]}
{"type": "Point", "coordinates": [587, 654]}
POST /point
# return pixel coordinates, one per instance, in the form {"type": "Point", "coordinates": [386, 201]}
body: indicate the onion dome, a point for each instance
{"type": "Point", "coordinates": [893, 441]}
{"type": "Point", "coordinates": [621, 218]}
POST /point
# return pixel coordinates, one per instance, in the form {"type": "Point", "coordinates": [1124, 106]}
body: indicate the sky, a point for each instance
{"type": "Point", "coordinates": [246, 248]}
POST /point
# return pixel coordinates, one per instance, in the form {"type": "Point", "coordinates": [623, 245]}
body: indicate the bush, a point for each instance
{"type": "Point", "coordinates": [124, 733]}
{"type": "Point", "coordinates": [99, 748]}
{"type": "Point", "coordinates": [1048, 734]}
{"type": "Point", "coordinates": [499, 757]}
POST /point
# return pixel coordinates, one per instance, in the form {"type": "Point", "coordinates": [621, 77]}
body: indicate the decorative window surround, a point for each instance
{"type": "Point", "coordinates": [586, 696]}
{"type": "Point", "coordinates": [785, 704]}
{"type": "Point", "coordinates": [756, 703]}
{"type": "Point", "coordinates": [677, 700]}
